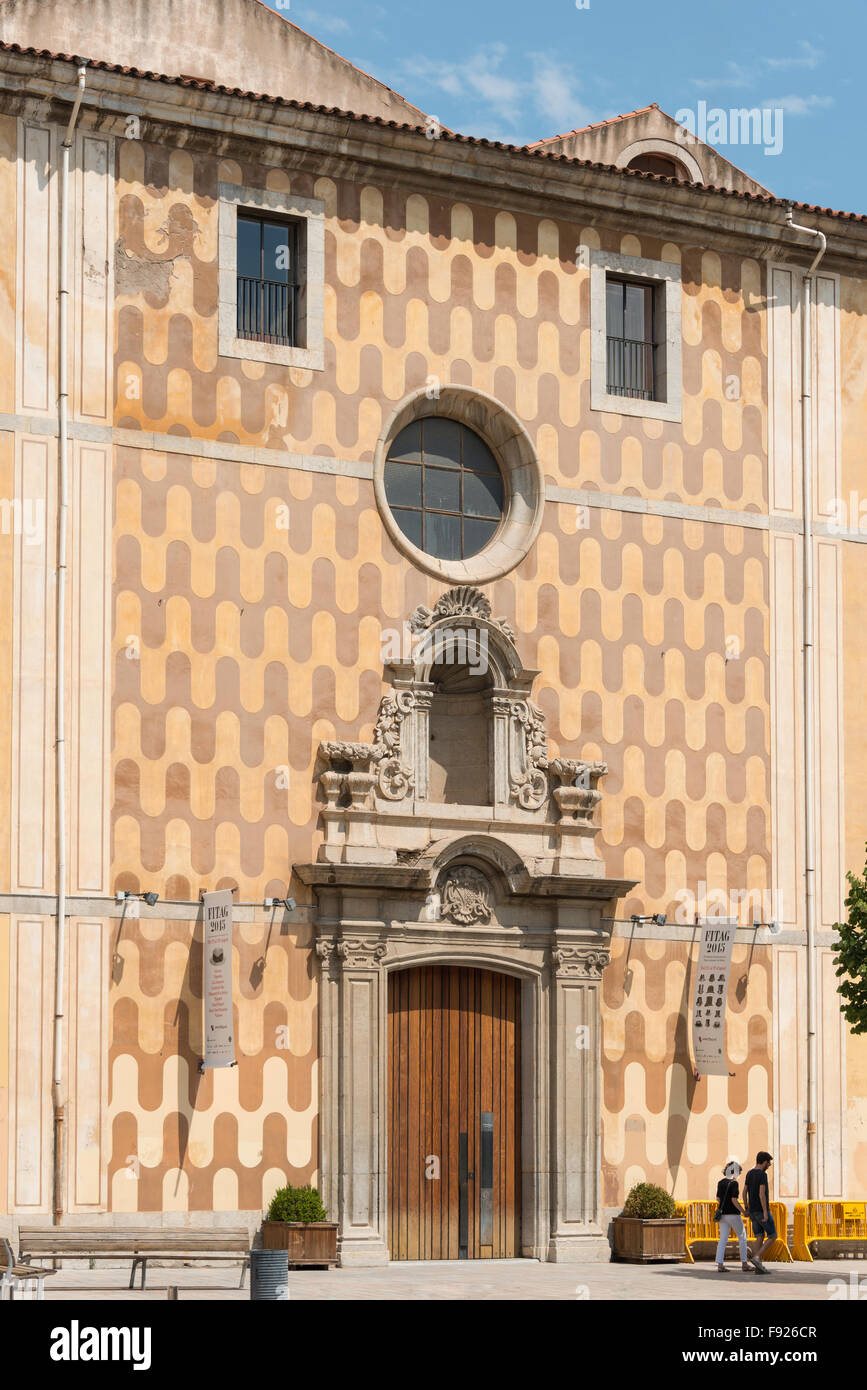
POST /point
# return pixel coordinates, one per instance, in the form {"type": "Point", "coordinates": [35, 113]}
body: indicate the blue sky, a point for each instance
{"type": "Point", "coordinates": [520, 70]}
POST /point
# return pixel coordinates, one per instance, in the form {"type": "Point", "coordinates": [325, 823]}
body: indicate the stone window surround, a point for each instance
{"type": "Point", "coordinates": [665, 276]}
{"type": "Point", "coordinates": [311, 211]}
{"type": "Point", "coordinates": [671, 149]}
{"type": "Point", "coordinates": [524, 482]}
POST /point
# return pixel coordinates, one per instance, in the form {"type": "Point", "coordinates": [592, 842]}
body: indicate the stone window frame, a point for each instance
{"type": "Point", "coordinates": [523, 479]}
{"type": "Point", "coordinates": [665, 278]}
{"type": "Point", "coordinates": [311, 211]}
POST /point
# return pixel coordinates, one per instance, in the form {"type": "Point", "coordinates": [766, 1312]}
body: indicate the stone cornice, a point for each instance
{"type": "Point", "coordinates": [340, 144]}
{"type": "Point", "coordinates": [419, 879]}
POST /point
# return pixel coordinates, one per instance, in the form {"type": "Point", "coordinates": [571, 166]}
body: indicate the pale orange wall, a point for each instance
{"type": "Point", "coordinates": [853, 362]}
{"type": "Point", "coordinates": [658, 1123]}
{"type": "Point", "coordinates": [8, 215]}
{"type": "Point", "coordinates": [4, 1059]}
{"type": "Point", "coordinates": [856, 1117]}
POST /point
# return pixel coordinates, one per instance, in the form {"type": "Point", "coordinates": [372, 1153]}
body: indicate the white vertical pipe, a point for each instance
{"type": "Point", "coordinates": [809, 707]}
{"type": "Point", "coordinates": [60, 662]}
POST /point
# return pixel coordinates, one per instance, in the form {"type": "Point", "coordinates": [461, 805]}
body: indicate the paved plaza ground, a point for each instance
{"type": "Point", "coordinates": [474, 1280]}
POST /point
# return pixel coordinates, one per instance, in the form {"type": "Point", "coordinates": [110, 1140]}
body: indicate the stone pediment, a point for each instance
{"type": "Point", "coordinates": [650, 130]}
{"type": "Point", "coordinates": [236, 43]}
{"type": "Point", "coordinates": [379, 804]}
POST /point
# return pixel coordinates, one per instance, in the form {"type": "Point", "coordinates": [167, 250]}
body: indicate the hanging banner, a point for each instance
{"type": "Point", "coordinates": [711, 992]}
{"type": "Point", "coordinates": [219, 1028]}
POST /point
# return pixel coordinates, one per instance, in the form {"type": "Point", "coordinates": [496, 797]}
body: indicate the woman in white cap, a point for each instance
{"type": "Point", "coordinates": [730, 1215]}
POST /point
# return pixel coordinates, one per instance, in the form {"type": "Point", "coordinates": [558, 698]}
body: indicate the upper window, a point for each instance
{"type": "Point", "coordinates": [629, 314]}
{"type": "Point", "coordinates": [635, 336]}
{"type": "Point", "coordinates": [660, 164]}
{"type": "Point", "coordinates": [272, 277]}
{"type": "Point", "coordinates": [269, 279]}
{"type": "Point", "coordinates": [444, 488]}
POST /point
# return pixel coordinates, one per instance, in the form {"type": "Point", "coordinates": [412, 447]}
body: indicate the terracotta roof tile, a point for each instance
{"type": "Point", "coordinates": [596, 125]}
{"type": "Point", "coordinates": [476, 142]}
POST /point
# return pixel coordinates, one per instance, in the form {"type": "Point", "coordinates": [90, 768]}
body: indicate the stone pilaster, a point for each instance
{"type": "Point", "coordinates": [361, 1117]}
{"type": "Point", "coordinates": [500, 745]}
{"type": "Point", "coordinates": [329, 1061]}
{"type": "Point", "coordinates": [576, 1042]}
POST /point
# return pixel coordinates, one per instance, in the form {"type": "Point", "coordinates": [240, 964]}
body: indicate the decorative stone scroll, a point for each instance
{"type": "Point", "coordinates": [531, 771]}
{"type": "Point", "coordinates": [581, 962]}
{"type": "Point", "coordinates": [380, 761]}
{"type": "Point", "coordinates": [528, 755]}
{"type": "Point", "coordinates": [396, 778]}
{"type": "Point", "coordinates": [466, 896]}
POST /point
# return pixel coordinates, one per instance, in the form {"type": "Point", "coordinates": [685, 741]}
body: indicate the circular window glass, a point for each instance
{"type": "Point", "coordinates": [444, 488]}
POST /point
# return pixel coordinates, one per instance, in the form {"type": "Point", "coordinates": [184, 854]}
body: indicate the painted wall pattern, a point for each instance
{"type": "Point", "coordinates": [220, 1140]}
{"type": "Point", "coordinates": [238, 644]}
{"type": "Point", "coordinates": [258, 641]}
{"type": "Point", "coordinates": [659, 1123]}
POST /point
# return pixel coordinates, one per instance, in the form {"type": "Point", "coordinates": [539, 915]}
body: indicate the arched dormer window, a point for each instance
{"type": "Point", "coordinates": [661, 164]}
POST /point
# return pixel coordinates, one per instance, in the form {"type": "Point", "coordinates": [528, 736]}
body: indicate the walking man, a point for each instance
{"type": "Point", "coordinates": [758, 1205]}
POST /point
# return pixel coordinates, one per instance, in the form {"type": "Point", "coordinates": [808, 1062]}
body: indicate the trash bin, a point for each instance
{"type": "Point", "coordinates": [269, 1275]}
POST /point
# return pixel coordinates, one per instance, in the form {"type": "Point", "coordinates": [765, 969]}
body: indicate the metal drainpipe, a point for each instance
{"type": "Point", "coordinates": [809, 756]}
{"type": "Point", "coordinates": [60, 674]}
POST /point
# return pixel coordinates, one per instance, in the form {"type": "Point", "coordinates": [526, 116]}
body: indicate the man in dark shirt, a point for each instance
{"type": "Point", "coordinates": [757, 1204]}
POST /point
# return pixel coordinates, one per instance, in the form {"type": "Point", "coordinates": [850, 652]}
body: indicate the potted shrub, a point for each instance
{"type": "Point", "coordinates": [298, 1223]}
{"type": "Point", "coordinates": [647, 1228]}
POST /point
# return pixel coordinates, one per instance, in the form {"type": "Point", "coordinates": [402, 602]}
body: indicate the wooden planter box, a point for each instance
{"type": "Point", "coordinates": [307, 1242]}
{"type": "Point", "coordinates": [638, 1241]}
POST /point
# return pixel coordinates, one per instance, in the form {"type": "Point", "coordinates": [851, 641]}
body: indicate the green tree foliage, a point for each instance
{"type": "Point", "coordinates": [647, 1200]}
{"type": "Point", "coordinates": [296, 1204]}
{"type": "Point", "coordinates": [851, 957]}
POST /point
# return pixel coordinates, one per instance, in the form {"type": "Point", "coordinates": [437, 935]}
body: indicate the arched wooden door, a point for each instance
{"type": "Point", "coordinates": [454, 1121]}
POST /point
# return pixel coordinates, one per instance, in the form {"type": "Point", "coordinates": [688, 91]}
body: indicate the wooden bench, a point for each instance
{"type": "Point", "coordinates": [16, 1274]}
{"type": "Point", "coordinates": [138, 1245]}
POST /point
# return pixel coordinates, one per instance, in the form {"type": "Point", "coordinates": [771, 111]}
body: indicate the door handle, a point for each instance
{"type": "Point", "coordinates": [470, 1175]}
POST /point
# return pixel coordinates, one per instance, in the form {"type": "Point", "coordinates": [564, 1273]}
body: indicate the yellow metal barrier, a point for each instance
{"type": "Point", "coordinates": [701, 1229]}
{"type": "Point", "coordinates": [839, 1225]}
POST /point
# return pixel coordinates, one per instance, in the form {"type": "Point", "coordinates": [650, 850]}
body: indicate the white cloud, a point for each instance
{"type": "Point", "coordinates": [554, 94]}
{"type": "Point", "coordinates": [327, 24]}
{"type": "Point", "coordinates": [799, 106]}
{"type": "Point", "coordinates": [551, 88]}
{"type": "Point", "coordinates": [478, 78]}
{"type": "Point", "coordinates": [748, 74]}
{"type": "Point", "coordinates": [809, 57]}
{"type": "Point", "coordinates": [736, 75]}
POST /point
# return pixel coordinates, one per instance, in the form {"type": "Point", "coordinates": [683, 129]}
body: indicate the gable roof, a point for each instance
{"type": "Point", "coordinates": [650, 130]}
{"type": "Point", "coordinates": [237, 43]}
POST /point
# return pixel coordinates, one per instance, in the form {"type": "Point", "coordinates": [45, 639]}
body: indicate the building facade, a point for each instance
{"type": "Point", "coordinates": [445, 579]}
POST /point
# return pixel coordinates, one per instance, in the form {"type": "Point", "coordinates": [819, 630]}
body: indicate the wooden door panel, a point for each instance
{"type": "Point", "coordinates": [454, 1061]}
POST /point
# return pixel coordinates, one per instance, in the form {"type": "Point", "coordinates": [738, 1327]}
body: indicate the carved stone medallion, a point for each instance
{"type": "Point", "coordinates": [466, 896]}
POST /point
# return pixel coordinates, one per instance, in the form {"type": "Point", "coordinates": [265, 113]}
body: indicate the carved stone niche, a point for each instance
{"type": "Point", "coordinates": [378, 802]}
